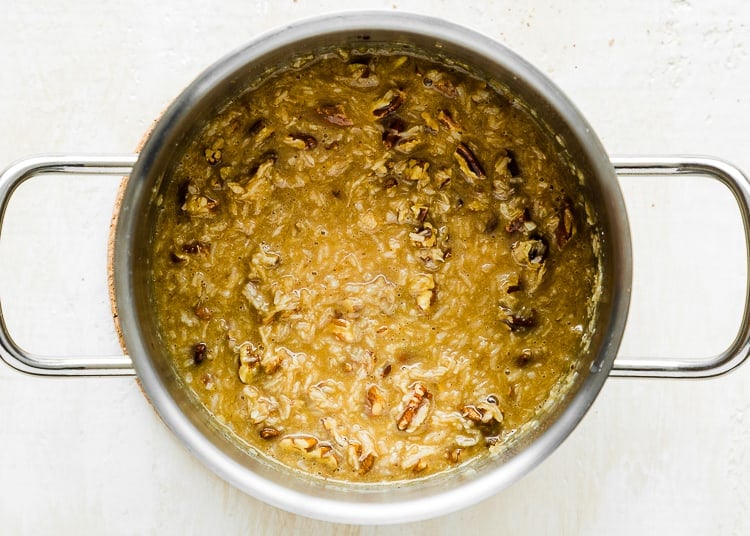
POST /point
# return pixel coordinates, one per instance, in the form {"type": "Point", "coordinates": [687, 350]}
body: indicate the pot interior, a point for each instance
{"type": "Point", "coordinates": [372, 503]}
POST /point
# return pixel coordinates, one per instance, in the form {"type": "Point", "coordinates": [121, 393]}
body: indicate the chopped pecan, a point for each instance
{"type": "Point", "coordinates": [208, 381]}
{"type": "Point", "coordinates": [361, 75]}
{"type": "Point", "coordinates": [196, 247]}
{"type": "Point", "coordinates": [199, 205]}
{"type": "Point", "coordinates": [511, 282]}
{"type": "Point", "coordinates": [454, 454]}
{"type": "Point", "coordinates": [483, 413]}
{"type": "Point", "coordinates": [303, 442]}
{"type": "Point", "coordinates": [269, 432]}
{"type": "Point", "coordinates": [343, 329]}
{"type": "Point", "coordinates": [184, 190]}
{"type": "Point", "coordinates": [389, 103]}
{"type": "Point", "coordinates": [312, 447]}
{"type": "Point", "coordinates": [519, 320]}
{"type": "Point", "coordinates": [415, 410]}
{"type": "Point", "coordinates": [361, 460]}
{"type": "Point", "coordinates": [202, 311]}
{"type": "Point", "coordinates": [468, 162]}
{"type": "Point", "coordinates": [409, 140]}
{"type": "Point", "coordinates": [472, 413]}
{"type": "Point", "coordinates": [446, 118]}
{"type": "Point", "coordinates": [213, 156]}
{"type": "Point", "coordinates": [302, 141]}
{"type": "Point", "coordinates": [520, 223]}
{"type": "Point", "coordinates": [175, 258]}
{"type": "Point", "coordinates": [446, 87]}
{"type": "Point", "coordinates": [200, 352]}
{"type": "Point", "coordinates": [375, 400]}
{"type": "Point", "coordinates": [422, 288]}
{"type": "Point", "coordinates": [420, 212]}
{"type": "Point", "coordinates": [334, 114]}
{"type": "Point", "coordinates": [416, 170]}
{"type": "Point", "coordinates": [566, 224]}
{"type": "Point", "coordinates": [529, 252]}
{"type": "Point", "coordinates": [432, 257]}
{"type": "Point", "coordinates": [250, 361]}
{"type": "Point", "coordinates": [389, 183]}
{"type": "Point", "coordinates": [425, 237]}
{"type": "Point", "coordinates": [258, 128]}
{"type": "Point", "coordinates": [392, 130]}
{"type": "Point", "coordinates": [366, 463]}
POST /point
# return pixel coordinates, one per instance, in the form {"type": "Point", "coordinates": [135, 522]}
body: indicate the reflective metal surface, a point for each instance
{"type": "Point", "coordinates": [736, 353]}
{"type": "Point", "coordinates": [335, 501]}
{"type": "Point", "coordinates": [11, 352]}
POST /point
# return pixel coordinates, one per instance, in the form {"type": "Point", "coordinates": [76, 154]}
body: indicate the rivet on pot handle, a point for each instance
{"type": "Point", "coordinates": [738, 184]}
{"type": "Point", "coordinates": [11, 353]}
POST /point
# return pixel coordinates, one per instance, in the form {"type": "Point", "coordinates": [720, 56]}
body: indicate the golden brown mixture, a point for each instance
{"type": "Point", "coordinates": [373, 267]}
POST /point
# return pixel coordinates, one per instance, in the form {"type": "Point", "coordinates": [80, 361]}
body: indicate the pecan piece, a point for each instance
{"type": "Point", "coordinates": [269, 432]}
{"type": "Point", "coordinates": [213, 156]}
{"type": "Point", "coordinates": [446, 118]}
{"type": "Point", "coordinates": [392, 132]}
{"type": "Point", "coordinates": [334, 114]}
{"type": "Point", "coordinates": [200, 353]}
{"type": "Point", "coordinates": [303, 442]}
{"type": "Point", "coordinates": [519, 320]}
{"type": "Point", "coordinates": [511, 282]}
{"type": "Point", "coordinates": [250, 361]}
{"type": "Point", "coordinates": [259, 131]}
{"type": "Point", "coordinates": [361, 74]}
{"type": "Point", "coordinates": [454, 455]}
{"type": "Point", "coordinates": [484, 412]}
{"type": "Point", "coordinates": [531, 252]}
{"type": "Point", "coordinates": [375, 400]}
{"type": "Point", "coordinates": [196, 247]}
{"type": "Point", "coordinates": [343, 329]}
{"type": "Point", "coordinates": [312, 447]}
{"type": "Point", "coordinates": [521, 223]}
{"type": "Point", "coordinates": [202, 311]}
{"type": "Point", "coordinates": [415, 410]}
{"type": "Point", "coordinates": [468, 162]}
{"type": "Point", "coordinates": [566, 224]}
{"type": "Point", "coordinates": [389, 103]}
{"type": "Point", "coordinates": [422, 288]}
{"type": "Point", "coordinates": [361, 460]}
{"type": "Point", "coordinates": [301, 141]}
{"type": "Point", "coordinates": [199, 205]}
{"type": "Point", "coordinates": [424, 237]}
{"type": "Point", "coordinates": [420, 212]}
{"type": "Point", "coordinates": [446, 87]}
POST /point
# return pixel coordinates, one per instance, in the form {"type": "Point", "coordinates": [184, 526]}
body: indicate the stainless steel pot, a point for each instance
{"type": "Point", "coordinates": [367, 503]}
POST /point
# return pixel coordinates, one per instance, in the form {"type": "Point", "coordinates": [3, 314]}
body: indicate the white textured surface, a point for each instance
{"type": "Point", "coordinates": [89, 456]}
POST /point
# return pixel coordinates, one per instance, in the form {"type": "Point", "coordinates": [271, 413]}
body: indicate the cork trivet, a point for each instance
{"type": "Point", "coordinates": [111, 244]}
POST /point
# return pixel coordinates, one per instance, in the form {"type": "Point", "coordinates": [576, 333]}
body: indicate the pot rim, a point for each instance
{"type": "Point", "coordinates": [355, 507]}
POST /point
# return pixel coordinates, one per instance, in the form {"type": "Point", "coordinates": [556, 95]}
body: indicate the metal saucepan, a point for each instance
{"type": "Point", "coordinates": [386, 503]}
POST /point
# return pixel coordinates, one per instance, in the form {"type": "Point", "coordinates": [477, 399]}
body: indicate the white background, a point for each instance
{"type": "Point", "coordinates": [90, 456]}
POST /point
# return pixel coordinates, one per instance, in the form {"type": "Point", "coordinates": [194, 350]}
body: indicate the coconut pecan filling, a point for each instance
{"type": "Point", "coordinates": [373, 267]}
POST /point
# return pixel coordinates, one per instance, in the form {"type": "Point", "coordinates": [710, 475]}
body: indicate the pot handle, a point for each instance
{"type": "Point", "coordinates": [10, 351]}
{"type": "Point", "coordinates": [738, 184]}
